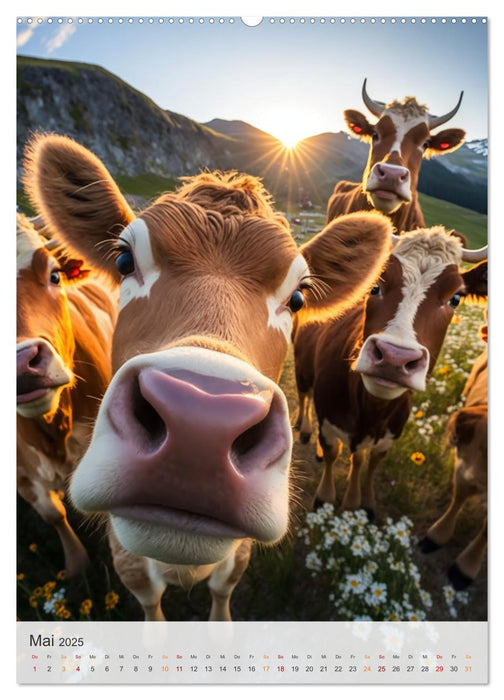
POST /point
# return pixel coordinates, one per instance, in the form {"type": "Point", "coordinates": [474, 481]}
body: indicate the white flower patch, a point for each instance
{"type": "Point", "coordinates": [50, 605]}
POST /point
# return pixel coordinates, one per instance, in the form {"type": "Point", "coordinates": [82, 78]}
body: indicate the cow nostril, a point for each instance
{"type": "Point", "coordinates": [413, 364]}
{"type": "Point", "coordinates": [245, 442]}
{"type": "Point", "coordinates": [153, 429]}
{"type": "Point", "coordinates": [36, 360]}
{"type": "Point", "coordinates": [378, 355]}
{"type": "Point", "coordinates": [263, 443]}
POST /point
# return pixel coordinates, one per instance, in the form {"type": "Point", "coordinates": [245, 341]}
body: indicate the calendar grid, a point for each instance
{"type": "Point", "coordinates": [267, 653]}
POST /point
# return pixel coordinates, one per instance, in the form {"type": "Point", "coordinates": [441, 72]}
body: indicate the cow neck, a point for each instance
{"type": "Point", "coordinates": [387, 414]}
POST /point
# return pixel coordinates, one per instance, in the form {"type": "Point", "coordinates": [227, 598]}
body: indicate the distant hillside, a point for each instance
{"type": "Point", "coordinates": [140, 142]}
{"type": "Point", "coordinates": [126, 129]}
{"type": "Point", "coordinates": [238, 129]}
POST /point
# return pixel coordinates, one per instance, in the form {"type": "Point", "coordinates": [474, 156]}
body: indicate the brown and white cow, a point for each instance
{"type": "Point", "coordinates": [399, 140]}
{"type": "Point", "coordinates": [191, 449]}
{"type": "Point", "coordinates": [360, 368]}
{"type": "Point", "coordinates": [467, 432]}
{"type": "Point", "coordinates": [65, 318]}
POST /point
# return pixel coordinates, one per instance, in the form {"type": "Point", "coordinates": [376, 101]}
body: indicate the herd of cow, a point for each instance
{"type": "Point", "coordinates": [150, 348]}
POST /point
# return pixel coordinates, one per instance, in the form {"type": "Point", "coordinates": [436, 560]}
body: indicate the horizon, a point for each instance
{"type": "Point", "coordinates": [223, 69]}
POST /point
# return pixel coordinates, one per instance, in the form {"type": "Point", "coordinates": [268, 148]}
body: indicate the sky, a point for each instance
{"type": "Point", "coordinates": [291, 78]}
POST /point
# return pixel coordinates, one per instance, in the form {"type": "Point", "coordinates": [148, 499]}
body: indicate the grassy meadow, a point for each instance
{"type": "Point", "coordinates": [281, 582]}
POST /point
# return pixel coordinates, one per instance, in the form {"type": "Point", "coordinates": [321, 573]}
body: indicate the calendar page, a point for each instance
{"type": "Point", "coordinates": [252, 374]}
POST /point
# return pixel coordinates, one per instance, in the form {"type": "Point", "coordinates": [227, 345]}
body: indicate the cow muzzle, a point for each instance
{"type": "Point", "coordinates": [41, 374]}
{"type": "Point", "coordinates": [193, 442]}
{"type": "Point", "coordinates": [388, 186]}
{"type": "Point", "coordinates": [389, 368]}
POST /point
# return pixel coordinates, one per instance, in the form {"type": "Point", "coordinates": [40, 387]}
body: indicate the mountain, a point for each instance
{"type": "Point", "coordinates": [238, 129]}
{"type": "Point", "coordinates": [123, 127]}
{"type": "Point", "coordinates": [135, 137]}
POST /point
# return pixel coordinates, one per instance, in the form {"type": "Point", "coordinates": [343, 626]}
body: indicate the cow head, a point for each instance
{"type": "Point", "coordinates": [192, 445]}
{"type": "Point", "coordinates": [45, 344]}
{"type": "Point", "coordinates": [399, 140]}
{"type": "Point", "coordinates": [408, 310]}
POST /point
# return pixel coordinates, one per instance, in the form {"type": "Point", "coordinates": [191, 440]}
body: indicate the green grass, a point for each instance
{"type": "Point", "coordinates": [148, 185]}
{"type": "Point", "coordinates": [472, 224]}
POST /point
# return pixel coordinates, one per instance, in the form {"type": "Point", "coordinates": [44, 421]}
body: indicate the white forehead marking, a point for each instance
{"type": "Point", "coordinates": [417, 283]}
{"type": "Point", "coordinates": [279, 316]}
{"type": "Point", "coordinates": [27, 242]}
{"type": "Point", "coordinates": [402, 127]}
{"type": "Point", "coordinates": [140, 282]}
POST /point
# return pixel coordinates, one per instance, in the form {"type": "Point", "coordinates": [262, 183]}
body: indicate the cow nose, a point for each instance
{"type": "Point", "coordinates": [407, 360]}
{"type": "Point", "coordinates": [197, 443]}
{"type": "Point", "coordinates": [207, 411]}
{"type": "Point", "coordinates": [396, 173]}
{"type": "Point", "coordinates": [33, 359]}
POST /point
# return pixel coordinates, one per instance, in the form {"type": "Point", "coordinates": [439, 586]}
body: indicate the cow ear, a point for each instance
{"type": "Point", "coordinates": [476, 281]}
{"type": "Point", "coordinates": [444, 142]}
{"type": "Point", "coordinates": [346, 258]}
{"type": "Point", "coordinates": [75, 194]}
{"type": "Point", "coordinates": [358, 125]}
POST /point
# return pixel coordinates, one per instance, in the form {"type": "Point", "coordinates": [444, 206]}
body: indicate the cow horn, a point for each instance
{"type": "Point", "coordinates": [374, 107]}
{"type": "Point", "coordinates": [475, 255]}
{"type": "Point", "coordinates": [437, 121]}
{"type": "Point", "coordinates": [395, 239]}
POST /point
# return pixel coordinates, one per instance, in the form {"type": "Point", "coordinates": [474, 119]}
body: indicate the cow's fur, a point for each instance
{"type": "Point", "coordinates": [75, 318]}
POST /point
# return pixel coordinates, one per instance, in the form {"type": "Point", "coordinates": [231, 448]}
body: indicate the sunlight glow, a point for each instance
{"type": "Point", "coordinates": [290, 141]}
{"type": "Point", "coordinates": [288, 125]}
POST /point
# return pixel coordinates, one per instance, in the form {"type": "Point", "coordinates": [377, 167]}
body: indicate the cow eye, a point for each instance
{"type": "Point", "coordinates": [55, 277]}
{"type": "Point", "coordinates": [296, 301]}
{"type": "Point", "coordinates": [375, 291]}
{"type": "Point", "coordinates": [455, 300]}
{"type": "Point", "coordinates": [125, 262]}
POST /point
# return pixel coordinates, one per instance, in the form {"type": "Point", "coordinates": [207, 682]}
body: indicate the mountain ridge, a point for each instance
{"type": "Point", "coordinates": [134, 135]}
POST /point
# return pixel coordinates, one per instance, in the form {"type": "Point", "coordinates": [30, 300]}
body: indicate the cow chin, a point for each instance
{"type": "Point", "coordinates": [381, 389]}
{"type": "Point", "coordinates": [171, 546]}
{"type": "Point", "coordinates": [385, 205]}
{"type": "Point", "coordinates": [45, 404]}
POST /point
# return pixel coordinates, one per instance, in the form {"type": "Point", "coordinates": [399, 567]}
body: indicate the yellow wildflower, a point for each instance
{"type": "Point", "coordinates": [37, 592]}
{"type": "Point", "coordinates": [86, 606]}
{"type": "Point", "coordinates": [20, 577]}
{"type": "Point", "coordinates": [33, 601]}
{"type": "Point", "coordinates": [59, 605]}
{"type": "Point", "coordinates": [111, 600]}
{"type": "Point", "coordinates": [33, 547]}
{"type": "Point", "coordinates": [48, 588]}
{"type": "Point", "coordinates": [443, 370]}
{"type": "Point", "coordinates": [418, 458]}
{"type": "Point", "coordinates": [61, 575]}
{"type": "Point", "coordinates": [419, 414]}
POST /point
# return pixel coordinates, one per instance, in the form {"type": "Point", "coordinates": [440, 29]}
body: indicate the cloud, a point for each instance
{"type": "Point", "coordinates": [24, 36]}
{"type": "Point", "coordinates": [61, 36]}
